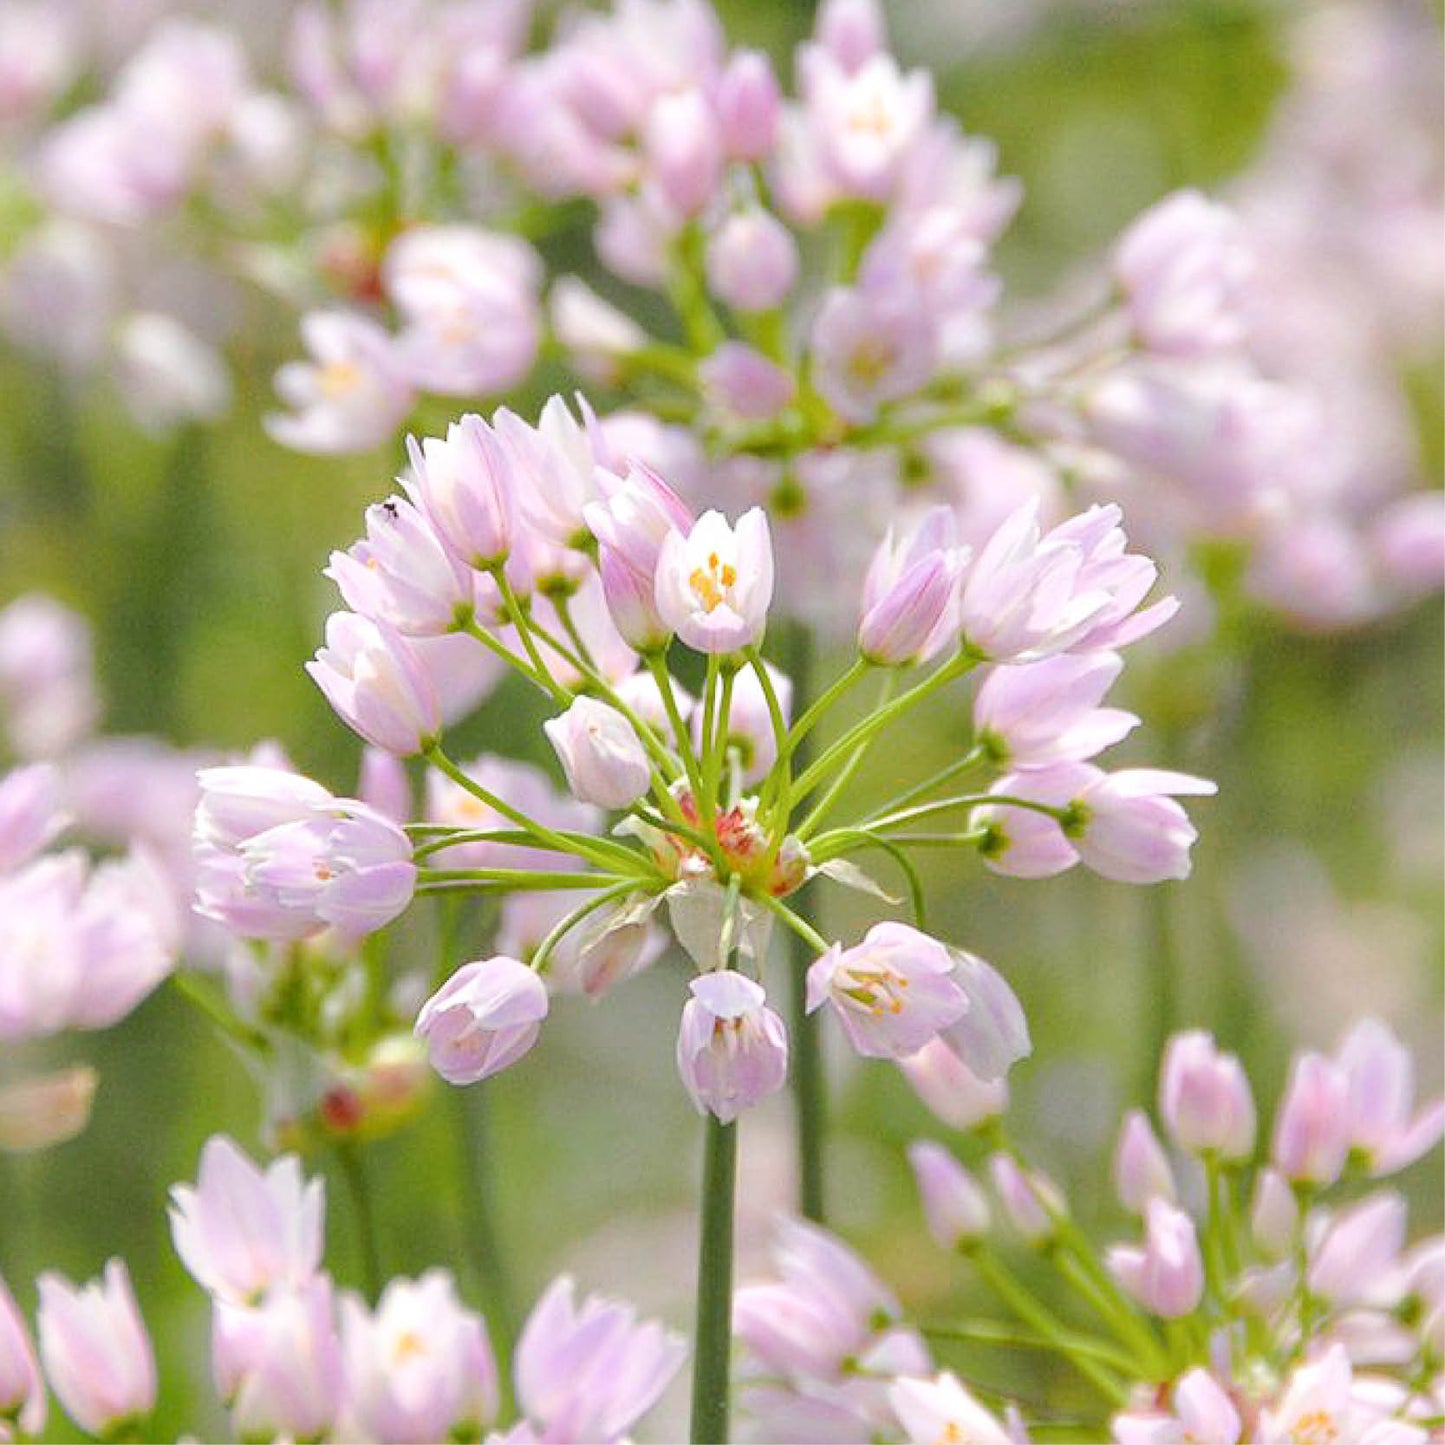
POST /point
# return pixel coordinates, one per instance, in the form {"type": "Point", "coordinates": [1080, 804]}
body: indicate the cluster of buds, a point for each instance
{"type": "Point", "coordinates": [293, 1358]}
{"type": "Point", "coordinates": [547, 551]}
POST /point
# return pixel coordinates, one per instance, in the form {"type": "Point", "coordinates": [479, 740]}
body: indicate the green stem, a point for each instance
{"type": "Point", "coordinates": [567, 924]}
{"type": "Point", "coordinates": [1032, 1313]}
{"type": "Point", "coordinates": [354, 1171]}
{"type": "Point", "coordinates": [199, 995]}
{"type": "Point", "coordinates": [476, 631]}
{"type": "Point", "coordinates": [517, 614]}
{"type": "Point", "coordinates": [712, 1347]}
{"type": "Point", "coordinates": [657, 665]}
{"type": "Point", "coordinates": [969, 800]}
{"type": "Point", "coordinates": [970, 759]}
{"type": "Point", "coordinates": [480, 1239]}
{"type": "Point", "coordinates": [825, 804]}
{"type": "Point", "coordinates": [809, 1095]}
{"type": "Point", "coordinates": [530, 880]}
{"type": "Point", "coordinates": [991, 1332]}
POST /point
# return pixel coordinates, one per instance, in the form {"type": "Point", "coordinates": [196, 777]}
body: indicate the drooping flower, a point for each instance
{"type": "Point", "coordinates": [483, 1018]}
{"type": "Point", "coordinates": [600, 752]}
{"type": "Point", "coordinates": [892, 992]}
{"type": "Point", "coordinates": [953, 1200]}
{"type": "Point", "coordinates": [732, 1050]}
{"type": "Point", "coordinates": [1166, 1273]}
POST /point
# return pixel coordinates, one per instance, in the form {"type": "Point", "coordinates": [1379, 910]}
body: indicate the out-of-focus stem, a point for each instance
{"type": "Point", "coordinates": [353, 1169]}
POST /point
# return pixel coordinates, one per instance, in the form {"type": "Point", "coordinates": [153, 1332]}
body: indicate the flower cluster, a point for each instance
{"type": "Point", "coordinates": [293, 1358]}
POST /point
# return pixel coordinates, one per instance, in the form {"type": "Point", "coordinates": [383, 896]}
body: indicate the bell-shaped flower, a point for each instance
{"type": "Point", "coordinates": [240, 1230]}
{"type": "Point", "coordinates": [954, 1203]}
{"type": "Point", "coordinates": [278, 1365]}
{"type": "Point", "coordinates": [749, 105]}
{"type": "Point", "coordinates": [635, 514]}
{"type": "Point", "coordinates": [941, 1409]}
{"type": "Point", "coordinates": [1274, 1214]}
{"type": "Point", "coordinates": [22, 1390]}
{"type": "Point", "coordinates": [993, 1033]}
{"type": "Point", "coordinates": [600, 752]}
{"type": "Point", "coordinates": [483, 1018]}
{"type": "Point", "coordinates": [714, 585]}
{"type": "Point", "coordinates": [1182, 265]}
{"type": "Point", "coordinates": [732, 1050]}
{"type": "Point", "coordinates": [239, 801]}
{"type": "Point", "coordinates": [463, 486]}
{"type": "Point", "coordinates": [589, 1373]}
{"type": "Point", "coordinates": [96, 1351]}
{"type": "Point", "coordinates": [1141, 1167]}
{"type": "Point", "coordinates": [892, 992]}
{"type": "Point", "coordinates": [419, 1367]}
{"type": "Point", "coordinates": [1166, 1273]}
{"type": "Point", "coordinates": [1205, 1098]}
{"type": "Point", "coordinates": [1039, 713]}
{"type": "Point", "coordinates": [351, 397]}
{"type": "Point", "coordinates": [866, 123]}
{"type": "Point", "coordinates": [682, 146]}
{"type": "Point", "coordinates": [377, 684]}
{"type": "Point", "coordinates": [910, 593]}
{"type": "Point", "coordinates": [1384, 1125]}
{"type": "Point", "coordinates": [1311, 1127]}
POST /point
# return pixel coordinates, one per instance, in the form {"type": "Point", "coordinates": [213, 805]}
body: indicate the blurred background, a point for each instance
{"type": "Point", "coordinates": [1317, 893]}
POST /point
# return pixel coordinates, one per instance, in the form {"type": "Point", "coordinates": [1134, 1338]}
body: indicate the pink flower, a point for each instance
{"type": "Point", "coordinates": [1166, 1275]}
{"type": "Point", "coordinates": [867, 122]}
{"type": "Point", "coordinates": [953, 1200]}
{"type": "Point", "coordinates": [1202, 1410]}
{"type": "Point", "coordinates": [1031, 1201]}
{"type": "Point", "coordinates": [96, 1351]}
{"type": "Point", "coordinates": [950, 1088]}
{"type": "Point", "coordinates": [22, 1391]}
{"type": "Point", "coordinates": [942, 1409]}
{"type": "Point", "coordinates": [1311, 1127]}
{"type": "Point", "coordinates": [602, 756]}
{"type": "Point", "coordinates": [1316, 1398]}
{"type": "Point", "coordinates": [352, 397]}
{"type": "Point", "coordinates": [752, 260]}
{"type": "Point", "coordinates": [1045, 712]}
{"type": "Point", "coordinates": [590, 1373]}
{"type": "Point", "coordinates": [910, 593]}
{"type": "Point", "coordinates": [47, 679]}
{"type": "Point", "coordinates": [871, 347]}
{"type": "Point", "coordinates": [1205, 1099]}
{"type": "Point", "coordinates": [463, 486]}
{"type": "Point", "coordinates": [1141, 1168]}
{"type": "Point", "coordinates": [419, 1367]}
{"type": "Point", "coordinates": [240, 1231]}
{"type": "Point", "coordinates": [714, 585]}
{"type": "Point", "coordinates": [732, 1050]}
{"type": "Point", "coordinates": [594, 332]}
{"type": "Point", "coordinates": [278, 1365]}
{"type": "Point", "coordinates": [30, 813]}
{"type": "Point", "coordinates": [683, 149]}
{"type": "Point", "coordinates": [750, 722]}
{"type": "Point", "coordinates": [742, 382]}
{"type": "Point", "coordinates": [377, 684]}
{"type": "Point", "coordinates": [482, 1019]}
{"type": "Point", "coordinates": [1360, 1248]}
{"type": "Point", "coordinates": [1381, 1081]}
{"type": "Point", "coordinates": [1182, 265]}
{"type": "Point", "coordinates": [892, 993]}
{"type": "Point", "coordinates": [553, 471]}
{"type": "Point", "coordinates": [748, 106]}
{"type": "Point", "coordinates": [470, 309]}
{"type": "Point", "coordinates": [1274, 1214]}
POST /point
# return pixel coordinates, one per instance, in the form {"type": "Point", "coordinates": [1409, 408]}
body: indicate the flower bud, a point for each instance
{"type": "Point", "coordinates": [1312, 1127]}
{"type": "Point", "coordinates": [1030, 1200]}
{"type": "Point", "coordinates": [752, 260]}
{"type": "Point", "coordinates": [748, 106]}
{"type": "Point", "coordinates": [97, 1354]}
{"type": "Point", "coordinates": [1141, 1168]}
{"type": "Point", "coordinates": [910, 595]}
{"type": "Point", "coordinates": [1273, 1214]}
{"type": "Point", "coordinates": [22, 1391]}
{"type": "Point", "coordinates": [743, 382]}
{"type": "Point", "coordinates": [1204, 1098]}
{"type": "Point", "coordinates": [953, 1200]}
{"type": "Point", "coordinates": [684, 150]}
{"type": "Point", "coordinates": [1166, 1275]}
{"type": "Point", "coordinates": [732, 1050]}
{"type": "Point", "coordinates": [602, 756]}
{"type": "Point", "coordinates": [483, 1018]}
{"type": "Point", "coordinates": [462, 486]}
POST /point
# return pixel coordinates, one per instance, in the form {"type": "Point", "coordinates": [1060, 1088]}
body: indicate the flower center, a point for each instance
{"type": "Point", "coordinates": [338, 378]}
{"type": "Point", "coordinates": [1315, 1428]}
{"type": "Point", "coordinates": [879, 989]}
{"type": "Point", "coordinates": [710, 584]}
